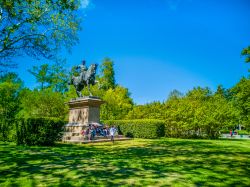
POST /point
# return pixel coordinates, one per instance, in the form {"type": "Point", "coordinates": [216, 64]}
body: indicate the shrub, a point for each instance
{"type": "Point", "coordinates": [243, 132]}
{"type": "Point", "coordinates": [38, 131]}
{"type": "Point", "coordinates": [7, 130]}
{"type": "Point", "coordinates": [143, 128]}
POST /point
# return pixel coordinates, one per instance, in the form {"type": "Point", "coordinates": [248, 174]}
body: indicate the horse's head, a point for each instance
{"type": "Point", "coordinates": [92, 70]}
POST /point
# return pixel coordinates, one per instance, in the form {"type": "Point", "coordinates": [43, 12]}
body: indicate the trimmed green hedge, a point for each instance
{"type": "Point", "coordinates": [38, 131]}
{"type": "Point", "coordinates": [243, 132]}
{"type": "Point", "coordinates": [143, 128]}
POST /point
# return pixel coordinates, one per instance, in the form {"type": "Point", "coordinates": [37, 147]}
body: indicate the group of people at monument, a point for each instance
{"type": "Point", "coordinates": [93, 130]}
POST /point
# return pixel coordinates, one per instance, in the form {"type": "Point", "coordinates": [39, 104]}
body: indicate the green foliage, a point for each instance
{"type": "Point", "coordinates": [70, 93]}
{"type": "Point", "coordinates": [154, 110]}
{"type": "Point", "coordinates": [8, 99]}
{"type": "Point", "coordinates": [51, 76]}
{"type": "Point", "coordinates": [11, 77]}
{"type": "Point", "coordinates": [243, 132]}
{"type": "Point", "coordinates": [246, 52]}
{"type": "Point", "coordinates": [10, 86]}
{"type": "Point", "coordinates": [239, 132]}
{"type": "Point", "coordinates": [175, 94]}
{"type": "Point", "coordinates": [107, 76]}
{"type": "Point", "coordinates": [59, 77]}
{"type": "Point", "coordinates": [95, 90]}
{"type": "Point", "coordinates": [7, 130]}
{"type": "Point", "coordinates": [41, 74]}
{"type": "Point", "coordinates": [117, 104]}
{"type": "Point", "coordinates": [44, 103]}
{"type": "Point", "coordinates": [198, 114]}
{"type": "Point", "coordinates": [38, 131]}
{"type": "Point", "coordinates": [215, 114]}
{"type": "Point", "coordinates": [146, 128]}
{"type": "Point", "coordinates": [37, 28]}
{"type": "Point", "coordinates": [241, 101]}
{"type": "Point", "coordinates": [24, 103]}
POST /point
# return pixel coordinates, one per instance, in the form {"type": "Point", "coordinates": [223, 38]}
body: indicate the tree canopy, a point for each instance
{"type": "Point", "coordinates": [54, 76]}
{"type": "Point", "coordinates": [36, 28]}
{"type": "Point", "coordinates": [107, 74]}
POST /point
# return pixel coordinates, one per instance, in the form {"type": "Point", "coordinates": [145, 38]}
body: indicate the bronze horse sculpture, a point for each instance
{"type": "Point", "coordinates": [85, 78]}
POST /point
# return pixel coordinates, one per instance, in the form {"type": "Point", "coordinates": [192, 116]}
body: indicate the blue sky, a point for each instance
{"type": "Point", "coordinates": [161, 45]}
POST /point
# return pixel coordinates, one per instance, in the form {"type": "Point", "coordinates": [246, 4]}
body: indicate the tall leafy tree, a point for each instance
{"type": "Point", "coordinates": [241, 100]}
{"type": "Point", "coordinates": [117, 104]}
{"type": "Point", "coordinates": [54, 76]}
{"type": "Point", "coordinates": [37, 28]}
{"type": "Point", "coordinates": [107, 74]}
{"type": "Point", "coordinates": [10, 77]}
{"type": "Point", "coordinates": [215, 114]}
{"type": "Point", "coordinates": [10, 87]}
{"type": "Point", "coordinates": [42, 74]}
{"type": "Point", "coordinates": [59, 77]}
{"type": "Point", "coordinates": [175, 94]}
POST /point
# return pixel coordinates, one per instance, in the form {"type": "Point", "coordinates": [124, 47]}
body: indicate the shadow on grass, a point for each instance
{"type": "Point", "coordinates": [164, 162]}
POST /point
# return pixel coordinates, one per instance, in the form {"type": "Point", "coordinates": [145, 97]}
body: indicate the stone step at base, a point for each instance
{"type": "Point", "coordinates": [81, 138]}
{"type": "Point", "coordinates": [95, 141]}
{"type": "Point", "coordinates": [73, 138]}
{"type": "Point", "coordinates": [108, 137]}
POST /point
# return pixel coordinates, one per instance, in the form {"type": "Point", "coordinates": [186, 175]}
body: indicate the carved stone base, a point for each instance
{"type": "Point", "coordinates": [82, 112]}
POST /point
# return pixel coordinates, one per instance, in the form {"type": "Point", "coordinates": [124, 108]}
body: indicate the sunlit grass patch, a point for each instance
{"type": "Point", "coordinates": [138, 162]}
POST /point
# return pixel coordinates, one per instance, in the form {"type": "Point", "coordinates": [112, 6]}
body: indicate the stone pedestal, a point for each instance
{"type": "Point", "coordinates": [82, 112]}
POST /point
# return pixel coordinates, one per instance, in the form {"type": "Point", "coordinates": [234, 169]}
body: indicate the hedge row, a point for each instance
{"type": "Point", "coordinates": [143, 128]}
{"type": "Point", "coordinates": [38, 131]}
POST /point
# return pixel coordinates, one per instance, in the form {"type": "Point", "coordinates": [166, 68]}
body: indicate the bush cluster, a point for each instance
{"type": "Point", "coordinates": [38, 131]}
{"type": "Point", "coordinates": [7, 130]}
{"type": "Point", "coordinates": [142, 128]}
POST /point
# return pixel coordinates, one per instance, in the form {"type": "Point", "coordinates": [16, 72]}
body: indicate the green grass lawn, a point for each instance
{"type": "Point", "coordinates": [162, 162]}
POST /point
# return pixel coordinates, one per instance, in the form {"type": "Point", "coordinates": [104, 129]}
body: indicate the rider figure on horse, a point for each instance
{"type": "Point", "coordinates": [83, 69]}
{"type": "Point", "coordinates": [85, 78]}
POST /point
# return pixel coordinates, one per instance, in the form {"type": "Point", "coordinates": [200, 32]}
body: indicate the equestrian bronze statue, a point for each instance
{"type": "Point", "coordinates": [85, 78]}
